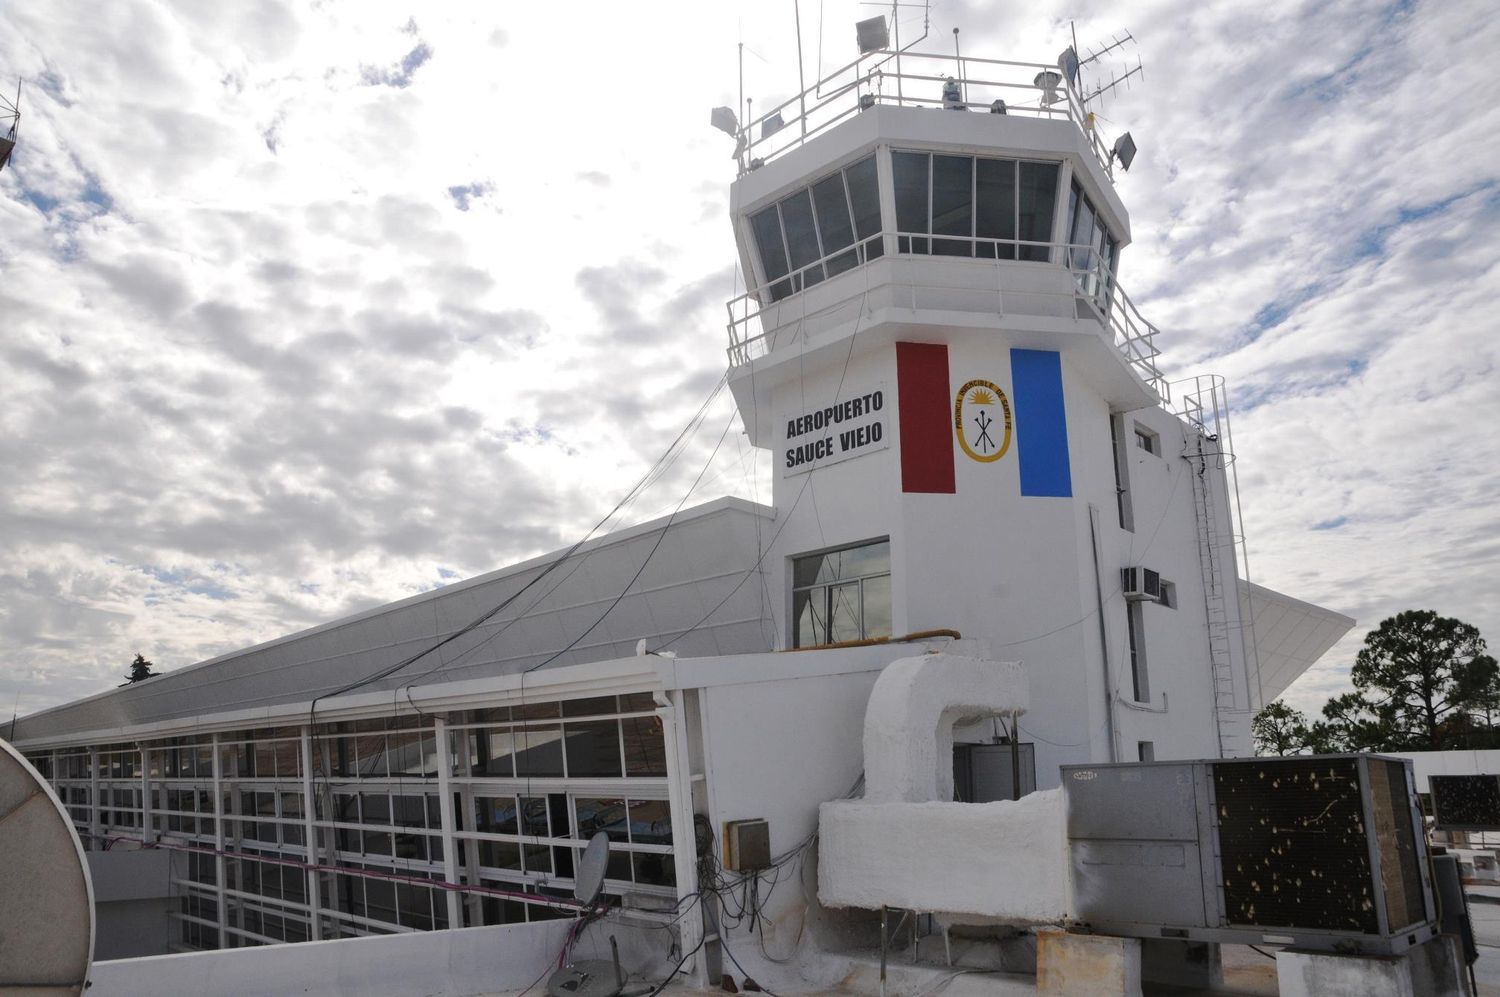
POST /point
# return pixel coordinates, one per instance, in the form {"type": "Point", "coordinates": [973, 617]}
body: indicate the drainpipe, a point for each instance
{"type": "Point", "coordinates": [1109, 697]}
{"type": "Point", "coordinates": [684, 851]}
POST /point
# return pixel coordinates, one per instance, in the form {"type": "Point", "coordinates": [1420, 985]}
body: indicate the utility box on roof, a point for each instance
{"type": "Point", "coordinates": [1322, 852]}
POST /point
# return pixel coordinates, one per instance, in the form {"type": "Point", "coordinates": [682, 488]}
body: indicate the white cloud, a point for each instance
{"type": "Point", "coordinates": [264, 367]}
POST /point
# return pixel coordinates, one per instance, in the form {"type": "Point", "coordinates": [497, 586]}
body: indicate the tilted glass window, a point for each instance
{"type": "Point", "coordinates": [1095, 254]}
{"type": "Point", "coordinates": [842, 595]}
{"type": "Point", "coordinates": [993, 208]}
{"type": "Point", "coordinates": [820, 231]}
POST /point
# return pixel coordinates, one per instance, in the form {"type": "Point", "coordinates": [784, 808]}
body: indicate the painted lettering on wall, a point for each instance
{"type": "Point", "coordinates": [847, 428]}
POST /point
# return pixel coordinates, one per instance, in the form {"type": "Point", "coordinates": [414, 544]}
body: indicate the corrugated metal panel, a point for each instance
{"type": "Point", "coordinates": [670, 597]}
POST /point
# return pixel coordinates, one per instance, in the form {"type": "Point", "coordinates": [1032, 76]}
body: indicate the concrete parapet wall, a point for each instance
{"type": "Point", "coordinates": [466, 961]}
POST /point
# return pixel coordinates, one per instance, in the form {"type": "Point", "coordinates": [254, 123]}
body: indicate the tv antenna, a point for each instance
{"type": "Point", "coordinates": [1072, 66]}
{"type": "Point", "coordinates": [10, 121]}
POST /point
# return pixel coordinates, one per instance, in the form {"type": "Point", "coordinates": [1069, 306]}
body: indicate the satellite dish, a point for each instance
{"type": "Point", "coordinates": [46, 897]}
{"type": "Point", "coordinates": [590, 878]}
{"type": "Point", "coordinates": [595, 977]}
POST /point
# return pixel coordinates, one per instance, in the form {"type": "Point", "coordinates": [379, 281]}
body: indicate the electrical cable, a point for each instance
{"type": "Point", "coordinates": [489, 614]}
{"type": "Point", "coordinates": [661, 535]}
{"type": "Point", "coordinates": [806, 479]}
{"type": "Point", "coordinates": [678, 968]}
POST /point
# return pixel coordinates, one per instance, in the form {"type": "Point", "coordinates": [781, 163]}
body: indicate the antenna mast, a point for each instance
{"type": "Point", "coordinates": [1119, 41]}
{"type": "Point", "coordinates": [12, 111]}
{"type": "Point", "coordinates": [801, 80]}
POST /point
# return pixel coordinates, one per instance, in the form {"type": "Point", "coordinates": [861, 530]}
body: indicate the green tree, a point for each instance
{"type": "Point", "coordinates": [1482, 692]}
{"type": "Point", "coordinates": [1352, 722]}
{"type": "Point", "coordinates": [1279, 730]}
{"type": "Point", "coordinates": [1420, 674]}
{"type": "Point", "coordinates": [140, 670]}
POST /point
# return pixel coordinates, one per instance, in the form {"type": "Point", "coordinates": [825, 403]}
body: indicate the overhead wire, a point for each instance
{"type": "Point", "coordinates": [802, 490]}
{"type": "Point", "coordinates": [668, 457]}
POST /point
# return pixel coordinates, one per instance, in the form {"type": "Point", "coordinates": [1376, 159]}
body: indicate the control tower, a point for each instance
{"type": "Point", "coordinates": [968, 427]}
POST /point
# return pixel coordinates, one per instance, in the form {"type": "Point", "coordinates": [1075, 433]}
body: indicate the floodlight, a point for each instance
{"type": "Point", "coordinates": [1047, 82]}
{"type": "Point", "coordinates": [866, 101]}
{"type": "Point", "coordinates": [1124, 151]}
{"type": "Point", "coordinates": [771, 125]}
{"type": "Point", "coordinates": [724, 120]}
{"type": "Point", "coordinates": [1068, 63]}
{"type": "Point", "coordinates": [873, 34]}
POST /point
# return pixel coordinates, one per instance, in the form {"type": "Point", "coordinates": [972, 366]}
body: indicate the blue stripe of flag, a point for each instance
{"type": "Point", "coordinates": [1041, 423]}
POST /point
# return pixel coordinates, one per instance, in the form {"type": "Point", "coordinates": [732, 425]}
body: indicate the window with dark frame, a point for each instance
{"type": "Point", "coordinates": [842, 595]}
{"type": "Point", "coordinates": [1136, 634]}
{"type": "Point", "coordinates": [821, 230]}
{"type": "Point", "coordinates": [989, 208]}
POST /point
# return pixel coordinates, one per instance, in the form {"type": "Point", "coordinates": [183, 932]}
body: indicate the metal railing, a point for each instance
{"type": "Point", "coordinates": [915, 79]}
{"type": "Point", "coordinates": [1094, 286]}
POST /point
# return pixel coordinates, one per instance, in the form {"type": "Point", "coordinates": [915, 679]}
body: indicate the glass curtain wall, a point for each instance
{"type": "Point", "coordinates": [266, 848]}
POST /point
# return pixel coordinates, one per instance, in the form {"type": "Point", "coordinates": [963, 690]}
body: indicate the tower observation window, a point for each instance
{"type": "Point", "coordinates": [990, 208]}
{"type": "Point", "coordinates": [821, 230]}
{"type": "Point", "coordinates": [1094, 251]}
{"type": "Point", "coordinates": [842, 595]}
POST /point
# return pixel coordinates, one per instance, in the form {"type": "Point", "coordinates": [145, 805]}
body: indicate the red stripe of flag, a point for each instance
{"type": "Point", "coordinates": [926, 425]}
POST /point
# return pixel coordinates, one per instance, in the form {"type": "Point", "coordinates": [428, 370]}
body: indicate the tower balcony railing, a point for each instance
{"type": "Point", "coordinates": [917, 79]}
{"type": "Point", "coordinates": [778, 312]}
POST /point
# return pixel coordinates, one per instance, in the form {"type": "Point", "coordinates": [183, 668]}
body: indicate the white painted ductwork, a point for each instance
{"type": "Point", "coordinates": [913, 709]}
{"type": "Point", "coordinates": [906, 844]}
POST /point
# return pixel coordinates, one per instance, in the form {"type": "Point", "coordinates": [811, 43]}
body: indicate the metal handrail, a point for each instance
{"type": "Point", "coordinates": [863, 83]}
{"type": "Point", "coordinates": [1094, 283]}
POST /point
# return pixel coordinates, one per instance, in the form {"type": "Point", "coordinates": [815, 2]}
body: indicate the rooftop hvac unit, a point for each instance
{"type": "Point", "coordinates": [1140, 584]}
{"type": "Point", "coordinates": [1323, 852]}
{"type": "Point", "coordinates": [1465, 802]}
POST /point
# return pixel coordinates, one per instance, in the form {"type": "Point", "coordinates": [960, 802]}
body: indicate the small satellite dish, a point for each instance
{"type": "Point", "coordinates": [595, 977]}
{"type": "Point", "coordinates": [46, 897]}
{"type": "Point", "coordinates": [590, 878]}
{"type": "Point", "coordinates": [1124, 151]}
{"type": "Point", "coordinates": [873, 35]}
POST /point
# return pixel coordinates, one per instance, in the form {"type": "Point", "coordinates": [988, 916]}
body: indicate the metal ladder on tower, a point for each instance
{"type": "Point", "coordinates": [1231, 718]}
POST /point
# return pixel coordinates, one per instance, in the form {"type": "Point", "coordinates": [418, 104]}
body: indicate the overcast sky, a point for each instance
{"type": "Point", "coordinates": [308, 307]}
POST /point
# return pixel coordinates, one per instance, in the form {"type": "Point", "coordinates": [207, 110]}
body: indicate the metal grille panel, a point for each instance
{"type": "Point", "coordinates": [1466, 802]}
{"type": "Point", "coordinates": [1292, 845]}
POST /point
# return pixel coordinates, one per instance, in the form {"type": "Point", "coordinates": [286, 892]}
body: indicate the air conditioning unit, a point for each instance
{"type": "Point", "coordinates": [1140, 584]}
{"type": "Point", "coordinates": [1465, 802]}
{"type": "Point", "coordinates": [1323, 852]}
